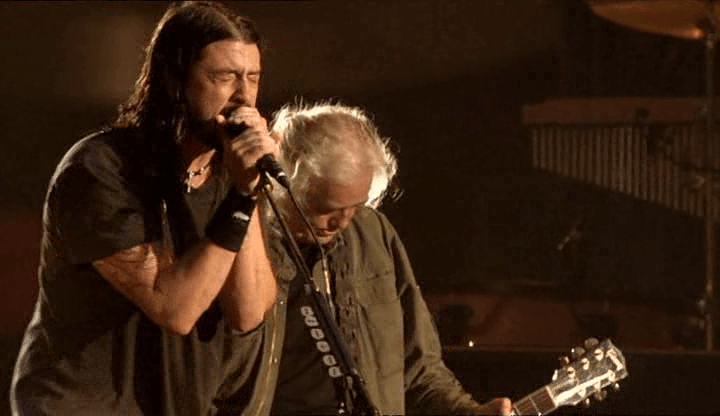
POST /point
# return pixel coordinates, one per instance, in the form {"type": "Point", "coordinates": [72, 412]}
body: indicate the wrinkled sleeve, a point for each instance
{"type": "Point", "coordinates": [430, 387]}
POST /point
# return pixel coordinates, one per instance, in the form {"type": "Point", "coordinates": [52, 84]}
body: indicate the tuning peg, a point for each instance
{"type": "Point", "coordinates": [590, 343]}
{"type": "Point", "coordinates": [586, 402]}
{"type": "Point", "coordinates": [564, 360]}
{"type": "Point", "coordinates": [600, 395]}
{"type": "Point", "coordinates": [615, 386]}
{"type": "Point", "coordinates": [577, 352]}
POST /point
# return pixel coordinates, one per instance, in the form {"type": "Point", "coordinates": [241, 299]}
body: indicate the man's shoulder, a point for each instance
{"type": "Point", "coordinates": [371, 217]}
{"type": "Point", "coordinates": [103, 150]}
{"type": "Point", "coordinates": [369, 223]}
{"type": "Point", "coordinates": [106, 143]}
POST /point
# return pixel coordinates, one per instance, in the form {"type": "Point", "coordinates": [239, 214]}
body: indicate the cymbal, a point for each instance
{"type": "Point", "coordinates": [688, 19]}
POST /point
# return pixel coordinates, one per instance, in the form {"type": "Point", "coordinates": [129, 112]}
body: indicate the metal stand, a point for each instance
{"type": "Point", "coordinates": [707, 304]}
{"type": "Point", "coordinates": [679, 18]}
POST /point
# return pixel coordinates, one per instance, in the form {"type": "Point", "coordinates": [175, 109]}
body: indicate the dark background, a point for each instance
{"type": "Point", "coordinates": [447, 81]}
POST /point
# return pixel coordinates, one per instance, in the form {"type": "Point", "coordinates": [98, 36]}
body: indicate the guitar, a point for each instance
{"type": "Point", "coordinates": [591, 369]}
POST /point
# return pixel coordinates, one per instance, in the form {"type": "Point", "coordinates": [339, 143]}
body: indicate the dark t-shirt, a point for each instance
{"type": "Point", "coordinates": [304, 386]}
{"type": "Point", "coordinates": [90, 351]}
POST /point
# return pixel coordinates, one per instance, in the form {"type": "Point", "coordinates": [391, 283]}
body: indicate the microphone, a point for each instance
{"type": "Point", "coordinates": [266, 164]}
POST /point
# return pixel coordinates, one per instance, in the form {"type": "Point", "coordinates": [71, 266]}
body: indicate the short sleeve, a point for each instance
{"type": "Point", "coordinates": [97, 204]}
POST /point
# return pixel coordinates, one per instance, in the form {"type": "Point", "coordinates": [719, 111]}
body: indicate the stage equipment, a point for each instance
{"type": "Point", "coordinates": [688, 177]}
{"type": "Point", "coordinates": [687, 19]}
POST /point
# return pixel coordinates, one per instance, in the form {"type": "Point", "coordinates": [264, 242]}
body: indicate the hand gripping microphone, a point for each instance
{"type": "Point", "coordinates": [266, 164]}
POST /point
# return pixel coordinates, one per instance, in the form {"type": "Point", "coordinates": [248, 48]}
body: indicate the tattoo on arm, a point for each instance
{"type": "Point", "coordinates": [136, 267]}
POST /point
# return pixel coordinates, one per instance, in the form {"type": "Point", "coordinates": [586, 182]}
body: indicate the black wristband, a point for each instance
{"type": "Point", "coordinates": [229, 224]}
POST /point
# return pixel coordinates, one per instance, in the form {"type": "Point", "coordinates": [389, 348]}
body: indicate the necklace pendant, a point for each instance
{"type": "Point", "coordinates": [188, 186]}
{"type": "Point", "coordinates": [192, 174]}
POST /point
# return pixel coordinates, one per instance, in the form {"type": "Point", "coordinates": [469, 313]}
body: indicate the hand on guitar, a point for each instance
{"type": "Point", "coordinates": [499, 406]}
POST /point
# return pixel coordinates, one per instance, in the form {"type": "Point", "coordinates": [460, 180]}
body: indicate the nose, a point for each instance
{"type": "Point", "coordinates": [341, 218]}
{"type": "Point", "coordinates": [241, 95]}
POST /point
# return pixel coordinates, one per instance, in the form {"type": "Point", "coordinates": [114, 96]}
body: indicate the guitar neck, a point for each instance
{"type": "Point", "coordinates": [538, 402]}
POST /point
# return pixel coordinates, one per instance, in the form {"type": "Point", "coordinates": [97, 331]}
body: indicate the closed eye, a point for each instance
{"type": "Point", "coordinates": [254, 77]}
{"type": "Point", "coordinates": [327, 210]}
{"type": "Point", "coordinates": [223, 76]}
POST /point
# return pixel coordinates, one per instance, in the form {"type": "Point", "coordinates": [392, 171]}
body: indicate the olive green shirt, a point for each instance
{"type": "Point", "coordinates": [383, 318]}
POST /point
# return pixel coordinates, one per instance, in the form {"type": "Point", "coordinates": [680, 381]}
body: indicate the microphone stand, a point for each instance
{"type": "Point", "coordinates": [361, 401]}
{"type": "Point", "coordinates": [707, 303]}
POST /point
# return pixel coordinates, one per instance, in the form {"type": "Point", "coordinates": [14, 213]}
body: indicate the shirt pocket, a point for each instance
{"type": "Point", "coordinates": [377, 287]}
{"type": "Point", "coordinates": [382, 320]}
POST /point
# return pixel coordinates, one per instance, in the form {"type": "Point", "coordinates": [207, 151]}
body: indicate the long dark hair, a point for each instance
{"type": "Point", "coordinates": [157, 104]}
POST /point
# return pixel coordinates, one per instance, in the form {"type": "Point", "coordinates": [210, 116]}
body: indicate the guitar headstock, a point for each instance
{"type": "Point", "coordinates": [590, 369]}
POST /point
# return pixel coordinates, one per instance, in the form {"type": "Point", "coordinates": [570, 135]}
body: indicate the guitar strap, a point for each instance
{"type": "Point", "coordinates": [342, 383]}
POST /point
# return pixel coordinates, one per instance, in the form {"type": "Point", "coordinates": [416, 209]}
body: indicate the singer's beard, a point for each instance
{"type": "Point", "coordinates": [205, 131]}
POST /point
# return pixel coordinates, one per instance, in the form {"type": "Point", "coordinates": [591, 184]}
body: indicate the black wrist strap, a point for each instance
{"type": "Point", "coordinates": [229, 224]}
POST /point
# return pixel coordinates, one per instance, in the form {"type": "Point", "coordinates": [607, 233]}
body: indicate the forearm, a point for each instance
{"type": "Point", "coordinates": [440, 393]}
{"type": "Point", "coordinates": [173, 293]}
{"type": "Point", "coordinates": [250, 290]}
{"type": "Point", "coordinates": [194, 282]}
{"type": "Point", "coordinates": [431, 387]}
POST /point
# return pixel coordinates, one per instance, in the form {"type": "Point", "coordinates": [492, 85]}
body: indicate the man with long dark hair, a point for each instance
{"type": "Point", "coordinates": [154, 275]}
